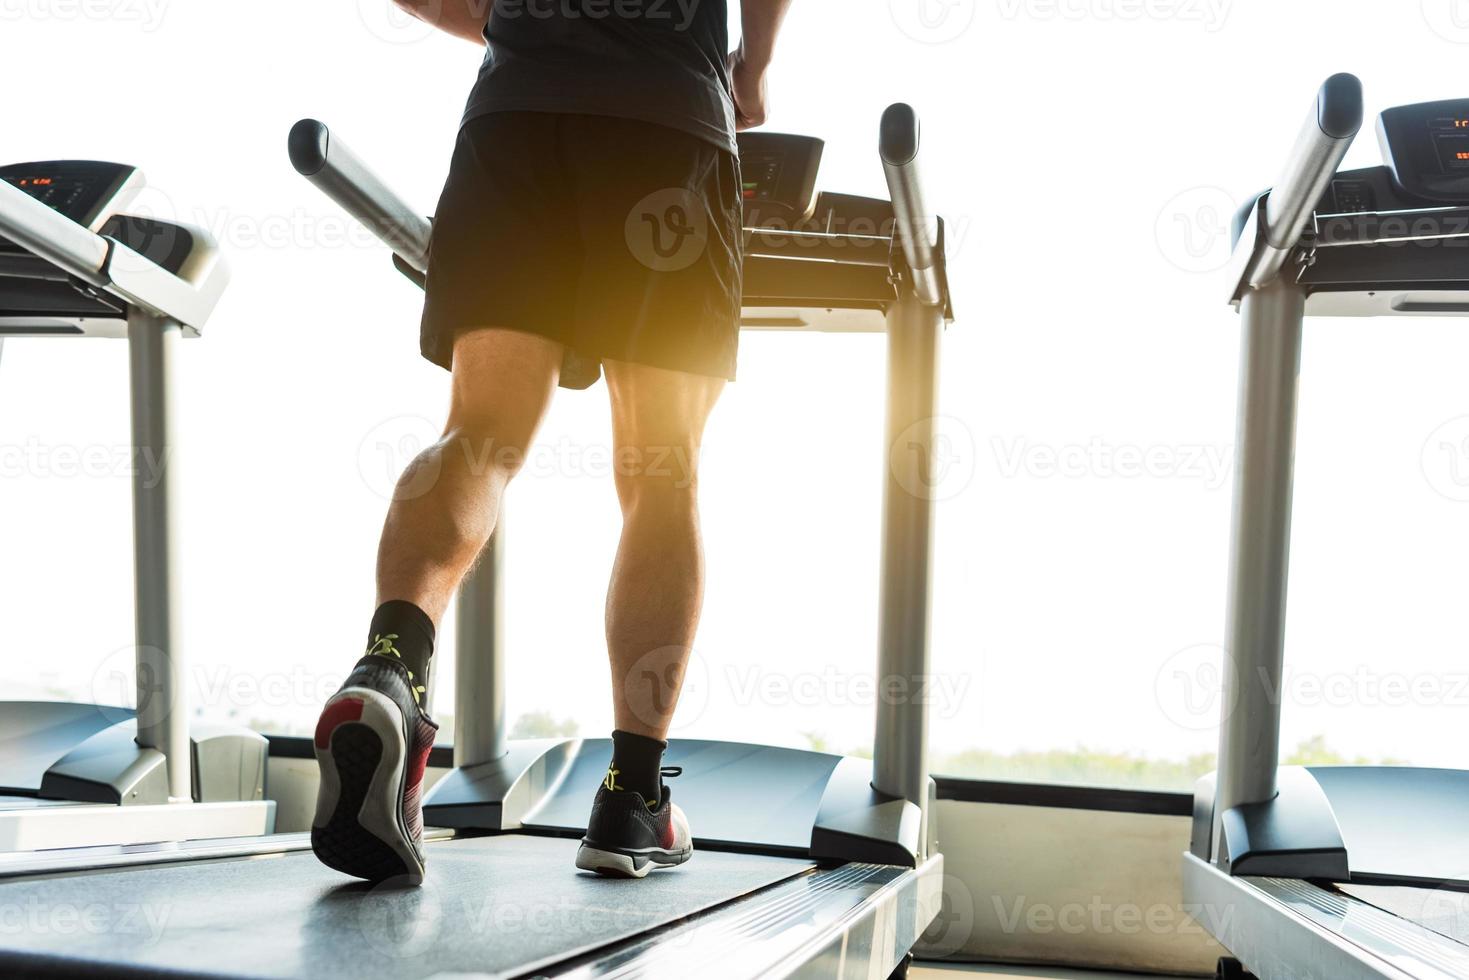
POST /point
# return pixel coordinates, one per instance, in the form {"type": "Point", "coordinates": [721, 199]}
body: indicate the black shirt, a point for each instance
{"type": "Point", "coordinates": [659, 61]}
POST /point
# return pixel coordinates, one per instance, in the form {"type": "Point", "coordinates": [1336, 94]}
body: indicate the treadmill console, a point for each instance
{"type": "Point", "coordinates": [1426, 148]}
{"type": "Point", "coordinates": [86, 191]}
{"type": "Point", "coordinates": [779, 174]}
{"type": "Point", "coordinates": [34, 298]}
{"type": "Point", "coordinates": [1426, 151]}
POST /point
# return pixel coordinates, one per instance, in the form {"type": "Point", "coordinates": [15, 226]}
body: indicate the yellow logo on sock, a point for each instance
{"type": "Point", "coordinates": [383, 646]}
{"type": "Point", "coordinates": [611, 781]}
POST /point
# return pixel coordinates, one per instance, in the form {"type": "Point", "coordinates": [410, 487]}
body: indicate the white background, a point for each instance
{"type": "Point", "coordinates": [1087, 154]}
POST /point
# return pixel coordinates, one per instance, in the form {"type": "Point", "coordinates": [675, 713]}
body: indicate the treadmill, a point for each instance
{"type": "Point", "coordinates": [75, 264]}
{"type": "Point", "coordinates": [1348, 872]}
{"type": "Point", "coordinates": [837, 874]}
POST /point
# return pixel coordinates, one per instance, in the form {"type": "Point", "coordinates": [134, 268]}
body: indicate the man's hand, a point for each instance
{"type": "Point", "coordinates": [751, 93]}
{"type": "Point", "coordinates": [761, 20]}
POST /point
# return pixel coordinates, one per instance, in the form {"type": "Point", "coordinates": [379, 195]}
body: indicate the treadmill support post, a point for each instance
{"type": "Point", "coordinates": [1249, 733]}
{"type": "Point", "coordinates": [162, 684]}
{"type": "Point", "coordinates": [479, 658]}
{"type": "Point", "coordinates": [900, 749]}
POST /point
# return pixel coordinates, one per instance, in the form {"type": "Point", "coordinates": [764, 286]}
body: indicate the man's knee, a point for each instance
{"type": "Point", "coordinates": [485, 447]}
{"type": "Point", "coordinates": [503, 383]}
{"type": "Point", "coordinates": [663, 478]}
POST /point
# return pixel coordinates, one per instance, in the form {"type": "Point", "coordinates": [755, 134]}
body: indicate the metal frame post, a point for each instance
{"type": "Point", "coordinates": [1270, 359]}
{"type": "Point", "coordinates": [1272, 305]}
{"type": "Point", "coordinates": [900, 749]}
{"type": "Point", "coordinates": [915, 327]}
{"type": "Point", "coordinates": [479, 658]}
{"type": "Point", "coordinates": [162, 688]}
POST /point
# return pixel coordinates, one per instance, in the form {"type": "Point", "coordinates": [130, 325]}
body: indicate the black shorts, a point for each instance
{"type": "Point", "coordinates": [619, 239]}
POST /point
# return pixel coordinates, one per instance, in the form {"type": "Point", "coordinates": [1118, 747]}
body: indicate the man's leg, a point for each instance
{"type": "Point", "coordinates": [657, 586]}
{"type": "Point", "coordinates": [374, 736]}
{"type": "Point", "coordinates": [448, 500]}
{"type": "Point", "coordinates": [653, 606]}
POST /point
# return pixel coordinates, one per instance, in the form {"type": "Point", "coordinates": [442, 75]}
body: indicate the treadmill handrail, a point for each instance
{"type": "Point", "coordinates": [331, 165]}
{"type": "Point", "coordinates": [1325, 137]}
{"type": "Point", "coordinates": [917, 226]}
{"type": "Point", "coordinates": [46, 232]}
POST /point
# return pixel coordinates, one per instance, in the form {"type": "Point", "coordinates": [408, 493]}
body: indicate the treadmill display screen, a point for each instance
{"type": "Point", "coordinates": [1427, 149]}
{"type": "Point", "coordinates": [61, 193]}
{"type": "Point", "coordinates": [79, 189]}
{"type": "Point", "coordinates": [1450, 135]}
{"type": "Point", "coordinates": [761, 172]}
{"type": "Point", "coordinates": [1453, 152]}
{"type": "Point", "coordinates": [779, 174]}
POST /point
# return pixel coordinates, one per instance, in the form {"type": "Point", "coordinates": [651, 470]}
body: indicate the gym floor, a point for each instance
{"type": "Point", "coordinates": [979, 971]}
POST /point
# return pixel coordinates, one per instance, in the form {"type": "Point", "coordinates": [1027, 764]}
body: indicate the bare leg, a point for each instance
{"type": "Point", "coordinates": [657, 586]}
{"type": "Point", "coordinates": [448, 500]}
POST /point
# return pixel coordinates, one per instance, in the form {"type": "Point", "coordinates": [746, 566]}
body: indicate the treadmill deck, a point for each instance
{"type": "Point", "coordinates": [492, 906]}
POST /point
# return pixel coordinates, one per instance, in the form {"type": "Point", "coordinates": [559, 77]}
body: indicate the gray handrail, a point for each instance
{"type": "Point", "coordinates": [1325, 138]}
{"type": "Point", "coordinates": [328, 163]}
{"type": "Point", "coordinates": [1327, 134]}
{"type": "Point", "coordinates": [917, 229]}
{"type": "Point", "coordinates": [48, 233]}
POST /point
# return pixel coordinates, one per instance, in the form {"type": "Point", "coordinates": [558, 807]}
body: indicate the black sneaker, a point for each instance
{"type": "Point", "coordinates": [372, 744]}
{"type": "Point", "coordinates": [625, 839]}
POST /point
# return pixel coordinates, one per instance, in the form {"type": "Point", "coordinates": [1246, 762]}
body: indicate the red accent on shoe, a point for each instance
{"type": "Point", "coordinates": [666, 835]}
{"type": "Point", "coordinates": [423, 744]}
{"type": "Point", "coordinates": [336, 713]}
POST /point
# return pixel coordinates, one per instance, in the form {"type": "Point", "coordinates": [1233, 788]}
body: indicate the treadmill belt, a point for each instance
{"type": "Point", "coordinates": [492, 906]}
{"type": "Point", "coordinates": [1439, 910]}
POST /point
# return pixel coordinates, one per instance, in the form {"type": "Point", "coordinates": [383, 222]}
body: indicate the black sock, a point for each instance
{"type": "Point", "coordinates": [636, 760]}
{"type": "Point", "coordinates": [401, 631]}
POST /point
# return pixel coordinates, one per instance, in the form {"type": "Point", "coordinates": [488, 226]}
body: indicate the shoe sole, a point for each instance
{"type": "Point", "coordinates": [627, 864]}
{"type": "Point", "coordinates": [358, 828]}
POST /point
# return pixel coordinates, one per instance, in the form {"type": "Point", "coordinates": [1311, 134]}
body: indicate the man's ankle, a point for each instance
{"type": "Point", "coordinates": [403, 632]}
{"type": "Point", "coordinates": [636, 761]}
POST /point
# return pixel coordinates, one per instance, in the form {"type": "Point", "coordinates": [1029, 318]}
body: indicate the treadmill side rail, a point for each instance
{"type": "Point", "coordinates": [89, 825]}
{"type": "Point", "coordinates": [1282, 929]}
{"type": "Point", "coordinates": [857, 920]}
